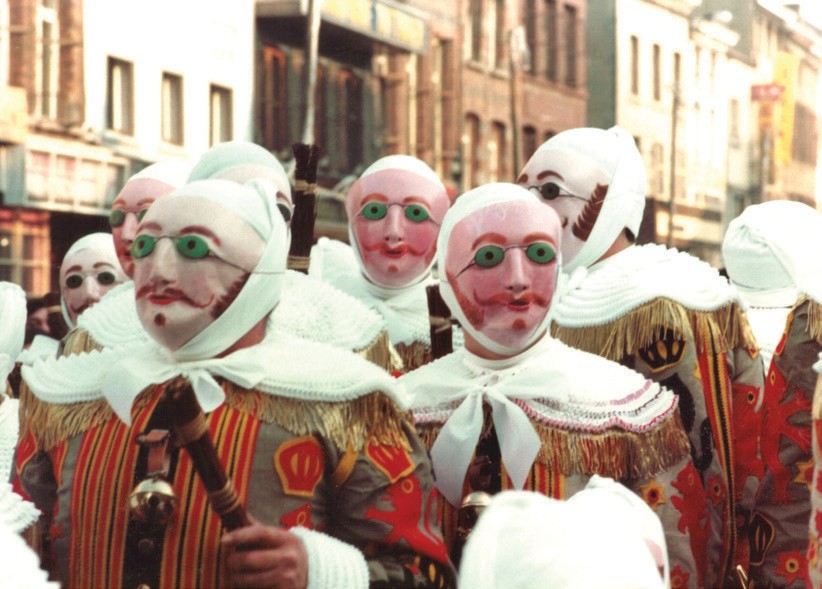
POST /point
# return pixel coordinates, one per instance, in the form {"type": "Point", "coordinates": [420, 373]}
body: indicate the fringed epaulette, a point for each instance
{"type": "Point", "coordinates": [814, 318]}
{"type": "Point", "coordinates": [414, 354]}
{"type": "Point", "coordinates": [641, 327]}
{"type": "Point", "coordinates": [616, 453]}
{"type": "Point", "coordinates": [380, 352]}
{"type": "Point", "coordinates": [79, 341]}
{"type": "Point", "coordinates": [373, 417]}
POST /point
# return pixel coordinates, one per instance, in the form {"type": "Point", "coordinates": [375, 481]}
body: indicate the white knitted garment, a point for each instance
{"type": "Point", "coordinates": [12, 325]}
{"type": "Point", "coordinates": [332, 563]}
{"type": "Point", "coordinates": [637, 275]}
{"type": "Point", "coordinates": [21, 565]}
{"type": "Point", "coordinates": [767, 324]}
{"type": "Point", "coordinates": [9, 428]}
{"type": "Point", "coordinates": [15, 512]}
{"type": "Point", "coordinates": [113, 321]}
{"type": "Point", "coordinates": [550, 383]}
{"type": "Point", "coordinates": [283, 365]}
{"type": "Point", "coordinates": [405, 309]}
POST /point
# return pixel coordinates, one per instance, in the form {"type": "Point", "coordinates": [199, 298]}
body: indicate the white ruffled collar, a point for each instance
{"type": "Point", "coordinates": [637, 275]}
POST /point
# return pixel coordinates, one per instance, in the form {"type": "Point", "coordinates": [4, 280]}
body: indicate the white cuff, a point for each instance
{"type": "Point", "coordinates": [332, 563]}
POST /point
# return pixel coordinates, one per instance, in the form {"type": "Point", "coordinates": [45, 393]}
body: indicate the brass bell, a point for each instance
{"type": "Point", "coordinates": [153, 502]}
{"type": "Point", "coordinates": [471, 507]}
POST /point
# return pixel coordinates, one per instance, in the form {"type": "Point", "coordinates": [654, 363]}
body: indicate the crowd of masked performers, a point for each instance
{"type": "Point", "coordinates": [499, 390]}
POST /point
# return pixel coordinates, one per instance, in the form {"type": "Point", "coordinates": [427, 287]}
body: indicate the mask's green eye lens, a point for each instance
{"type": "Point", "coordinates": [285, 211]}
{"type": "Point", "coordinates": [549, 190]}
{"type": "Point", "coordinates": [374, 211]}
{"type": "Point", "coordinates": [105, 278]}
{"type": "Point", "coordinates": [142, 246]}
{"type": "Point", "coordinates": [192, 246]}
{"type": "Point", "coordinates": [74, 280]}
{"type": "Point", "coordinates": [541, 253]}
{"type": "Point", "coordinates": [116, 218]}
{"type": "Point", "coordinates": [416, 213]}
{"type": "Point", "coordinates": [141, 214]}
{"type": "Point", "coordinates": [489, 256]}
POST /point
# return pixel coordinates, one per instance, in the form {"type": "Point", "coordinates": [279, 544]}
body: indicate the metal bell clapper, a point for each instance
{"type": "Point", "coordinates": [153, 501]}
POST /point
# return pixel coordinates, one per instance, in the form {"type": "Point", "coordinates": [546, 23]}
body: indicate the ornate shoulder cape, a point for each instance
{"type": "Point", "coordinates": [616, 307]}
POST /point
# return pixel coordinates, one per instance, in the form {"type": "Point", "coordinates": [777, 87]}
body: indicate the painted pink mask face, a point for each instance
{"type": "Point", "coordinates": [126, 212]}
{"type": "Point", "coordinates": [192, 257]}
{"type": "Point", "coordinates": [574, 186]}
{"type": "Point", "coordinates": [395, 217]}
{"type": "Point", "coordinates": [502, 266]}
{"type": "Point", "coordinates": [86, 275]}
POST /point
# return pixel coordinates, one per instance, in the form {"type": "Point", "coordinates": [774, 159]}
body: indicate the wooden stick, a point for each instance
{"type": "Point", "coordinates": [191, 432]}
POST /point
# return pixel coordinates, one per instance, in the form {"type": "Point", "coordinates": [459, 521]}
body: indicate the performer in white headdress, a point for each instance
{"type": "Point", "coordinates": [771, 255]}
{"type": "Point", "coordinates": [395, 209]}
{"type": "Point", "coordinates": [313, 437]}
{"type": "Point", "coordinates": [662, 312]}
{"type": "Point", "coordinates": [516, 409]}
{"type": "Point", "coordinates": [604, 537]}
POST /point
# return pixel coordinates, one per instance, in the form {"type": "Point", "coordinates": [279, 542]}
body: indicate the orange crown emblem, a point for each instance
{"type": "Point", "coordinates": [300, 463]}
{"type": "Point", "coordinates": [393, 461]}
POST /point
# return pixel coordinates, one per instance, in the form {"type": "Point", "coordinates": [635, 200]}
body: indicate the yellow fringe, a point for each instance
{"type": "Point", "coordinates": [79, 341]}
{"type": "Point", "coordinates": [814, 318]}
{"type": "Point", "coordinates": [348, 425]}
{"type": "Point", "coordinates": [414, 354]}
{"type": "Point", "coordinates": [640, 328]}
{"type": "Point", "coordinates": [615, 453]}
{"type": "Point", "coordinates": [379, 352]}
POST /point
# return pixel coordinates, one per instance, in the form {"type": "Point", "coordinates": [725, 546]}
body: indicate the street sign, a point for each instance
{"type": "Point", "coordinates": [767, 91]}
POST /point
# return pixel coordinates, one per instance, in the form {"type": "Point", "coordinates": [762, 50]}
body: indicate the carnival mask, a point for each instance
{"type": "Point", "coordinates": [394, 219]}
{"type": "Point", "coordinates": [192, 257]}
{"type": "Point", "coordinates": [89, 270]}
{"type": "Point", "coordinates": [501, 265]}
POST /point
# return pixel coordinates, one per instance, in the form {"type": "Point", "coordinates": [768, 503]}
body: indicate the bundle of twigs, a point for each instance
{"type": "Point", "coordinates": [306, 158]}
{"type": "Point", "coordinates": [440, 317]}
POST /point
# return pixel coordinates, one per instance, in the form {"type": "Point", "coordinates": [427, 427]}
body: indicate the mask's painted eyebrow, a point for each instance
{"type": "Point", "coordinates": [541, 236]}
{"type": "Point", "coordinates": [415, 199]}
{"type": "Point", "coordinates": [549, 173]}
{"type": "Point", "coordinates": [373, 196]}
{"type": "Point", "coordinates": [497, 238]}
{"type": "Point", "coordinates": [201, 230]}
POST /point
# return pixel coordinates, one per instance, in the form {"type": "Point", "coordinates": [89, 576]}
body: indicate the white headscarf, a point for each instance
{"type": "Point", "coordinates": [525, 540]}
{"type": "Point", "coordinates": [172, 172]}
{"type": "Point", "coordinates": [616, 153]}
{"type": "Point", "coordinates": [103, 243]}
{"type": "Point", "coordinates": [467, 204]}
{"type": "Point", "coordinates": [241, 161]}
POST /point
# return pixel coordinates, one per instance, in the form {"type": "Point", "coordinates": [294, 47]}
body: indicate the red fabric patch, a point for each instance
{"type": "Point", "coordinates": [393, 461]}
{"type": "Point", "coordinates": [694, 522]}
{"type": "Point", "coordinates": [300, 463]}
{"type": "Point", "coordinates": [299, 517]}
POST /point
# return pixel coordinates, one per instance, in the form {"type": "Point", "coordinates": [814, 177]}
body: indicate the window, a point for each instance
{"type": "Point", "coordinates": [412, 105]}
{"type": "Point", "coordinates": [4, 42]}
{"type": "Point", "coordinates": [120, 107]}
{"type": "Point", "coordinates": [351, 119]}
{"type": "Point", "coordinates": [220, 115]}
{"type": "Point", "coordinates": [445, 139]}
{"type": "Point", "coordinates": [529, 142]}
{"type": "Point", "coordinates": [657, 72]}
{"type": "Point", "coordinates": [499, 158]}
{"type": "Point", "coordinates": [24, 249]}
{"type": "Point", "coordinates": [48, 60]}
{"type": "Point", "coordinates": [172, 108]}
{"type": "Point", "coordinates": [475, 37]}
{"type": "Point", "coordinates": [805, 136]}
{"type": "Point", "coordinates": [571, 46]}
{"type": "Point", "coordinates": [273, 100]}
{"type": "Point", "coordinates": [551, 46]}
{"type": "Point", "coordinates": [499, 34]}
{"type": "Point", "coordinates": [634, 65]}
{"type": "Point", "coordinates": [471, 151]}
{"type": "Point", "coordinates": [531, 30]}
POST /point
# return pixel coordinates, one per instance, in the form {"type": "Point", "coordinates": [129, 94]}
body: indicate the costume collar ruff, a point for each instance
{"type": "Point", "coordinates": [639, 274]}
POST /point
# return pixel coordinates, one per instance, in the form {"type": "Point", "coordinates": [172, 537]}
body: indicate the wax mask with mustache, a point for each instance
{"type": "Point", "coordinates": [193, 256]}
{"type": "Point", "coordinates": [501, 265]}
{"type": "Point", "coordinates": [595, 180]}
{"type": "Point", "coordinates": [395, 210]}
{"type": "Point", "coordinates": [137, 194]}
{"type": "Point", "coordinates": [90, 269]}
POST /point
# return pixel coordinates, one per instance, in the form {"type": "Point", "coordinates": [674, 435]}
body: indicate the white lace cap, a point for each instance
{"type": "Point", "coordinates": [241, 161]}
{"type": "Point", "coordinates": [466, 205]}
{"type": "Point", "coordinates": [772, 249]}
{"type": "Point", "coordinates": [525, 540]}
